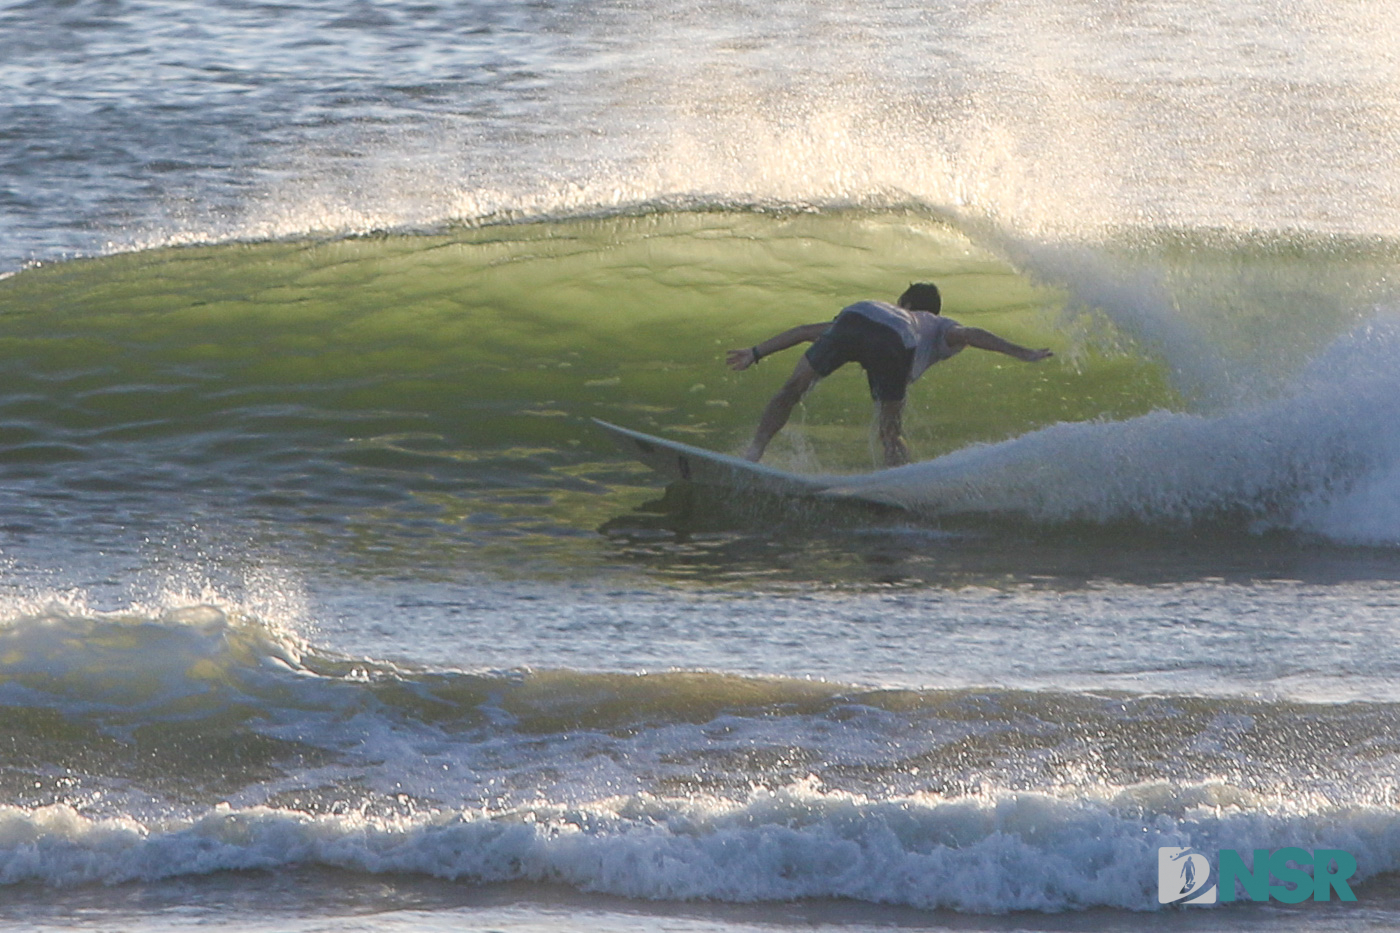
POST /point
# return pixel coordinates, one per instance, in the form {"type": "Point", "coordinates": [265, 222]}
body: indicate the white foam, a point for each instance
{"type": "Point", "coordinates": [1322, 458]}
{"type": "Point", "coordinates": [985, 854]}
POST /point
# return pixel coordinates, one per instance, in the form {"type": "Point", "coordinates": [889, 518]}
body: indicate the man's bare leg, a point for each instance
{"type": "Point", "coordinates": [890, 417]}
{"type": "Point", "coordinates": [780, 407]}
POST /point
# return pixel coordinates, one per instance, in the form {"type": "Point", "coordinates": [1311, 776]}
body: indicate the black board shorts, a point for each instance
{"type": "Point", "coordinates": [854, 338]}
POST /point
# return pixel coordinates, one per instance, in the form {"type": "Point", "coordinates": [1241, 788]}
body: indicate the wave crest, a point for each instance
{"type": "Point", "coordinates": [991, 854]}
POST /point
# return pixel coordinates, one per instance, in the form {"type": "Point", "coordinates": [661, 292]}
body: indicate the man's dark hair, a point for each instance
{"type": "Point", "coordinates": [922, 296]}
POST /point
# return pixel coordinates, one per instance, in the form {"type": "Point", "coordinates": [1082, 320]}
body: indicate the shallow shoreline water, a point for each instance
{"type": "Point", "coordinates": [308, 901]}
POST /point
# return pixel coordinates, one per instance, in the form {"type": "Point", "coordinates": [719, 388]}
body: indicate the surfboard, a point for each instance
{"type": "Point", "coordinates": [678, 461]}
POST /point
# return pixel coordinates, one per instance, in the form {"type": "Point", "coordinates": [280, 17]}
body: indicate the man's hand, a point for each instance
{"type": "Point", "coordinates": [1035, 356]}
{"type": "Point", "coordinates": [739, 360]}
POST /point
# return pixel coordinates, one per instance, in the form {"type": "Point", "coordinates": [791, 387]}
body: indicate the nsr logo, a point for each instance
{"type": "Point", "coordinates": [1184, 875]}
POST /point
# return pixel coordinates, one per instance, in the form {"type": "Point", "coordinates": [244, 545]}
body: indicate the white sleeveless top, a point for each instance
{"type": "Point", "coordinates": [923, 332]}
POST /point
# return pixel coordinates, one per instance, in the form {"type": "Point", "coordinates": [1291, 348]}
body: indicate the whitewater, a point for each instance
{"type": "Point", "coordinates": [323, 604]}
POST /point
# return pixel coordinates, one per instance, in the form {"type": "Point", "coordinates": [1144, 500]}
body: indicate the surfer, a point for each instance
{"type": "Point", "coordinates": [893, 343]}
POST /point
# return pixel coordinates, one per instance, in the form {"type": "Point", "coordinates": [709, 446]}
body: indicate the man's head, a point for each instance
{"type": "Point", "coordinates": [921, 296]}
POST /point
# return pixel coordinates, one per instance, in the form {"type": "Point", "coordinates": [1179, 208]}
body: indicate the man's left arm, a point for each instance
{"type": "Point", "coordinates": [804, 333]}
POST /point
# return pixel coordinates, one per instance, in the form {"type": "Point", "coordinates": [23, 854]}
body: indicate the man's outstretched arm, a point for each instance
{"type": "Point", "coordinates": [986, 340]}
{"type": "Point", "coordinates": [804, 333]}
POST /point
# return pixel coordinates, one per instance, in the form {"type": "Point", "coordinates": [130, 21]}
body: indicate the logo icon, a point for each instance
{"type": "Point", "coordinates": [1183, 877]}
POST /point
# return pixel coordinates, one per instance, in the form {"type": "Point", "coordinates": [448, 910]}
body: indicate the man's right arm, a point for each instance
{"type": "Point", "coordinates": [985, 340]}
{"type": "Point", "coordinates": [804, 333]}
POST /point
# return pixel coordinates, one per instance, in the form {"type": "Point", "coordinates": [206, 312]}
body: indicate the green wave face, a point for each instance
{"type": "Point", "coordinates": [401, 389]}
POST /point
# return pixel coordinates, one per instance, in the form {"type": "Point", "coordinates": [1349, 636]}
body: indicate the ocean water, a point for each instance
{"type": "Point", "coordinates": [323, 605]}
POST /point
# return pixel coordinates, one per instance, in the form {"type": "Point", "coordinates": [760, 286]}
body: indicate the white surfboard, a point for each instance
{"type": "Point", "coordinates": [678, 461]}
